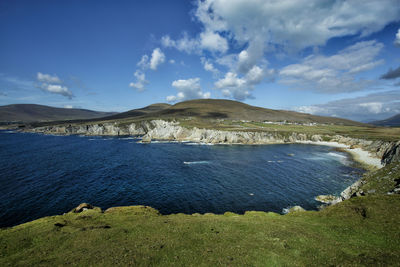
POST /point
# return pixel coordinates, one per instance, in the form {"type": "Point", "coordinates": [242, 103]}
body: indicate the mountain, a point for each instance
{"type": "Point", "coordinates": [225, 109]}
{"type": "Point", "coordinates": [140, 112]}
{"type": "Point", "coordinates": [392, 121]}
{"type": "Point", "coordinates": [33, 113]}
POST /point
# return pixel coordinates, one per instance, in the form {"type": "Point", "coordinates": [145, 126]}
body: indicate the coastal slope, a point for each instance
{"type": "Point", "coordinates": [21, 113]}
{"type": "Point", "coordinates": [360, 231]}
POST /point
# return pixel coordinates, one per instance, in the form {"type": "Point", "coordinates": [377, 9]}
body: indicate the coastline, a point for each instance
{"type": "Point", "coordinates": [359, 155]}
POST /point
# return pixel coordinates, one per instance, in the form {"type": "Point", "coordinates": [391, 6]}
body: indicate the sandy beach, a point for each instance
{"type": "Point", "coordinates": [358, 154]}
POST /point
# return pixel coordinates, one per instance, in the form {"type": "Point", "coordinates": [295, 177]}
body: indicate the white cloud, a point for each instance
{"type": "Point", "coordinates": [240, 88]}
{"type": "Point", "coordinates": [47, 78]}
{"type": "Point", "coordinates": [212, 41]}
{"type": "Point", "coordinates": [372, 107]}
{"type": "Point", "coordinates": [57, 89]}
{"type": "Point", "coordinates": [230, 80]}
{"type": "Point", "coordinates": [51, 84]}
{"type": "Point", "coordinates": [187, 89]}
{"type": "Point", "coordinates": [68, 106]}
{"type": "Point", "coordinates": [264, 27]}
{"type": "Point", "coordinates": [208, 66]}
{"type": "Point", "coordinates": [207, 40]}
{"type": "Point", "coordinates": [336, 73]}
{"type": "Point", "coordinates": [184, 44]}
{"type": "Point", "coordinates": [140, 81]}
{"type": "Point", "coordinates": [234, 87]}
{"type": "Point", "coordinates": [144, 62]}
{"type": "Point", "coordinates": [367, 108]}
{"type": "Point", "coordinates": [294, 24]}
{"type": "Point", "coordinates": [171, 61]}
{"type": "Point", "coordinates": [397, 39]}
{"type": "Point", "coordinates": [157, 58]}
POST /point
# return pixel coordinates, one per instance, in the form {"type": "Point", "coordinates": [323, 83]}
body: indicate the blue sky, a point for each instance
{"type": "Point", "coordinates": [335, 58]}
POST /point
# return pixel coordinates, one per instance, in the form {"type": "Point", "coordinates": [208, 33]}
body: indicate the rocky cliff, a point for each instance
{"type": "Point", "coordinates": [173, 131]}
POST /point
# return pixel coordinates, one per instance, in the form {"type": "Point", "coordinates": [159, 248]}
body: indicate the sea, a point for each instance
{"type": "Point", "coordinates": [43, 175]}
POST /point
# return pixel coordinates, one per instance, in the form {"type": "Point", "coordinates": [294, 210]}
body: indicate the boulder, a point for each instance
{"type": "Point", "coordinates": [82, 207]}
{"type": "Point", "coordinates": [296, 209]}
{"type": "Point", "coordinates": [328, 199]}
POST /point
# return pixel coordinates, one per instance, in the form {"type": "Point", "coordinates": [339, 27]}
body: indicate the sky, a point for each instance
{"type": "Point", "coordinates": [326, 57]}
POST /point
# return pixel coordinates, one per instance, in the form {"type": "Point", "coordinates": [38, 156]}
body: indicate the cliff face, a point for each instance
{"type": "Point", "coordinates": [165, 130]}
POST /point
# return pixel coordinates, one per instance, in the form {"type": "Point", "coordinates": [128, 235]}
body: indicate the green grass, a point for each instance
{"type": "Point", "coordinates": [362, 231]}
{"type": "Point", "coordinates": [368, 133]}
{"type": "Point", "coordinates": [383, 180]}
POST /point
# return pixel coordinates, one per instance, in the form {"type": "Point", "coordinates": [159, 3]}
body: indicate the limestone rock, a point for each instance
{"type": "Point", "coordinates": [82, 207]}
{"type": "Point", "coordinates": [296, 209]}
{"type": "Point", "coordinates": [328, 199]}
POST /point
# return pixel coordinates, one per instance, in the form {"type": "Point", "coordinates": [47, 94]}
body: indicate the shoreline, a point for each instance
{"type": "Point", "coordinates": [359, 155]}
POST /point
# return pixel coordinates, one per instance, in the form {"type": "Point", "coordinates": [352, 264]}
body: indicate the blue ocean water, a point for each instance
{"type": "Point", "coordinates": [43, 175]}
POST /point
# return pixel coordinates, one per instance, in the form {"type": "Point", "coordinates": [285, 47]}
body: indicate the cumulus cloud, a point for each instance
{"type": "Point", "coordinates": [157, 58]}
{"type": "Point", "coordinates": [336, 73]}
{"type": "Point", "coordinates": [140, 81]}
{"type": "Point", "coordinates": [57, 89]}
{"type": "Point", "coordinates": [47, 78]}
{"type": "Point", "coordinates": [240, 88]}
{"type": "Point", "coordinates": [52, 84]}
{"type": "Point", "coordinates": [146, 62]}
{"type": "Point", "coordinates": [397, 39]}
{"type": "Point", "coordinates": [239, 34]}
{"type": "Point", "coordinates": [367, 108]}
{"type": "Point", "coordinates": [294, 24]}
{"type": "Point", "coordinates": [212, 41]}
{"type": "Point", "coordinates": [208, 66]}
{"type": "Point", "coordinates": [187, 89]}
{"type": "Point", "coordinates": [391, 74]}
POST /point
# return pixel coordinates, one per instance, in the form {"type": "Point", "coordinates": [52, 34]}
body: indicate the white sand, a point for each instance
{"type": "Point", "coordinates": [359, 155]}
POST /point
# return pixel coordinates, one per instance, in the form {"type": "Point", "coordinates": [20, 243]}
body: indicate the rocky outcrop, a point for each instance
{"type": "Point", "coordinates": [82, 207]}
{"type": "Point", "coordinates": [295, 209]}
{"type": "Point", "coordinates": [327, 199]}
{"type": "Point", "coordinates": [391, 153]}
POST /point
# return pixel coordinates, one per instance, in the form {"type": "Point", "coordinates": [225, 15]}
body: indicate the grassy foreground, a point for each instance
{"type": "Point", "coordinates": [361, 231]}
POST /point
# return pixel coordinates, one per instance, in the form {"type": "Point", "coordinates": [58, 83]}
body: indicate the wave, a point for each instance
{"type": "Point", "coordinates": [196, 162]}
{"type": "Point", "coordinates": [333, 154]}
{"type": "Point", "coordinates": [127, 138]}
{"type": "Point", "coordinates": [273, 161]}
{"type": "Point", "coordinates": [199, 144]}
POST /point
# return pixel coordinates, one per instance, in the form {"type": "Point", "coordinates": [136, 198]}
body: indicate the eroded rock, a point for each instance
{"type": "Point", "coordinates": [82, 207]}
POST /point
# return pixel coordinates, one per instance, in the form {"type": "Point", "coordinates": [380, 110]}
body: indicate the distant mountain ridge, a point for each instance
{"type": "Point", "coordinates": [40, 113]}
{"type": "Point", "coordinates": [200, 109]}
{"type": "Point", "coordinates": [391, 122]}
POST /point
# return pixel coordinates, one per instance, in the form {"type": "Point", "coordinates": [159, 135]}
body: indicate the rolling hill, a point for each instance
{"type": "Point", "coordinates": [225, 109]}
{"type": "Point", "coordinates": [391, 122]}
{"type": "Point", "coordinates": [33, 113]}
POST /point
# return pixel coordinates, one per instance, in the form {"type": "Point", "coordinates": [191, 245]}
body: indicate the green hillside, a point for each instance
{"type": "Point", "coordinates": [34, 113]}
